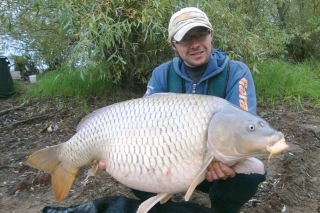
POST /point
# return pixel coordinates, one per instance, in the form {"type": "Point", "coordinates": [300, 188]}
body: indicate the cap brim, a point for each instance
{"type": "Point", "coordinates": [179, 35]}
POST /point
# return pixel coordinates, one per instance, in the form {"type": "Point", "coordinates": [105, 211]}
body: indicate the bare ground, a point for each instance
{"type": "Point", "coordinates": [292, 184]}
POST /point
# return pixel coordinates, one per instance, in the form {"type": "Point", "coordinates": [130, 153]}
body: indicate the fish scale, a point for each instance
{"type": "Point", "coordinates": [172, 135]}
{"type": "Point", "coordinates": [161, 144]}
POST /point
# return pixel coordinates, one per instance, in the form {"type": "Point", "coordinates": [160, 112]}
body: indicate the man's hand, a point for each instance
{"type": "Point", "coordinates": [100, 164]}
{"type": "Point", "coordinates": [218, 170]}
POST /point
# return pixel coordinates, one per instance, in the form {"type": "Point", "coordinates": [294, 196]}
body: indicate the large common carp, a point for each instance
{"type": "Point", "coordinates": [161, 144]}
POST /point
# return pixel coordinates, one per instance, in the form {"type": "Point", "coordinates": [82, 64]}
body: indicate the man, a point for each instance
{"type": "Point", "coordinates": [190, 36]}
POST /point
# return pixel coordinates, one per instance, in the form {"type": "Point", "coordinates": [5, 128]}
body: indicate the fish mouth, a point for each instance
{"type": "Point", "coordinates": [277, 147]}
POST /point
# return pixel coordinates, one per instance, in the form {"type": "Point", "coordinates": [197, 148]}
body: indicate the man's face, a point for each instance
{"type": "Point", "coordinates": [195, 47]}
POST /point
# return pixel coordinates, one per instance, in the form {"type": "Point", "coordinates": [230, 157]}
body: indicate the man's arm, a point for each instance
{"type": "Point", "coordinates": [158, 80]}
{"type": "Point", "coordinates": [241, 88]}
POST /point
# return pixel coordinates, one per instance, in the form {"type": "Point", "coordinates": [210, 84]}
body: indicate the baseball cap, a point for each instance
{"type": "Point", "coordinates": [184, 20]}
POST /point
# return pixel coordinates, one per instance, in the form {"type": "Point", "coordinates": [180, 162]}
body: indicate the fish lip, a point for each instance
{"type": "Point", "coordinates": [276, 138]}
{"type": "Point", "coordinates": [277, 147]}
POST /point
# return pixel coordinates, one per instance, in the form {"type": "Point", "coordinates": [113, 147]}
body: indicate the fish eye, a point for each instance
{"type": "Point", "coordinates": [251, 127]}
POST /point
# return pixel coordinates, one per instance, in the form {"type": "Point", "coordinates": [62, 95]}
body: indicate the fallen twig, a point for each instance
{"type": "Point", "coordinates": [13, 108]}
{"type": "Point", "coordinates": [33, 118]}
{"type": "Point", "coordinates": [7, 166]}
{"type": "Point", "coordinates": [29, 119]}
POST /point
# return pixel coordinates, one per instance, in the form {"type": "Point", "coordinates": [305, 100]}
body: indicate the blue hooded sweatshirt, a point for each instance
{"type": "Point", "coordinates": [240, 87]}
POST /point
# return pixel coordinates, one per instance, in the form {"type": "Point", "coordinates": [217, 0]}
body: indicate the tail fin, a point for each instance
{"type": "Point", "coordinates": [62, 176]}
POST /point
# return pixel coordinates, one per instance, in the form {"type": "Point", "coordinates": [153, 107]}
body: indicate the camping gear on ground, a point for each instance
{"type": "Point", "coordinates": [6, 82]}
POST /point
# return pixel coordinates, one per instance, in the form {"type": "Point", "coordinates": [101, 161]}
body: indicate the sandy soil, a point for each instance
{"type": "Point", "coordinates": [292, 184]}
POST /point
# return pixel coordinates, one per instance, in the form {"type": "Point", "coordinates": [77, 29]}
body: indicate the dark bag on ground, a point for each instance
{"type": "Point", "coordinates": [6, 82]}
{"type": "Point", "coordinates": [117, 204]}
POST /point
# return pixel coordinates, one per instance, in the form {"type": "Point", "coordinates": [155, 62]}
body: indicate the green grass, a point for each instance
{"type": "Point", "coordinates": [276, 83]}
{"type": "Point", "coordinates": [64, 83]}
{"type": "Point", "coordinates": [280, 82]}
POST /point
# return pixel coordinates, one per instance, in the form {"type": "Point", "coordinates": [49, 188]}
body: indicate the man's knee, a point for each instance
{"type": "Point", "coordinates": [231, 194]}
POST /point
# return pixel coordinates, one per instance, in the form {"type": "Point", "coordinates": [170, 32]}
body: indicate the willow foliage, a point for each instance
{"type": "Point", "coordinates": [129, 36]}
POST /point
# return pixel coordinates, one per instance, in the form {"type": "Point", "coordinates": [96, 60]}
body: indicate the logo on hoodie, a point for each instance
{"type": "Point", "coordinates": [243, 100]}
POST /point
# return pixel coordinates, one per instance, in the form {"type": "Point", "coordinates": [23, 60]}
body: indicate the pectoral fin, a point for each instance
{"type": "Point", "coordinates": [148, 204]}
{"type": "Point", "coordinates": [165, 199]}
{"type": "Point", "coordinates": [199, 178]}
{"type": "Point", "coordinates": [248, 166]}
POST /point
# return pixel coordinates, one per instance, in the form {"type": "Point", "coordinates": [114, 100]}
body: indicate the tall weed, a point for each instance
{"type": "Point", "coordinates": [65, 83]}
{"type": "Point", "coordinates": [279, 81]}
{"type": "Point", "coordinates": [276, 82]}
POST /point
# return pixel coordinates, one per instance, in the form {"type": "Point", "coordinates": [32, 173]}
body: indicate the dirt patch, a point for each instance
{"type": "Point", "coordinates": [292, 184]}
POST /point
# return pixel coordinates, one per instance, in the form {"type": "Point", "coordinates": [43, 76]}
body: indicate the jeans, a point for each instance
{"type": "Point", "coordinates": [227, 196]}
